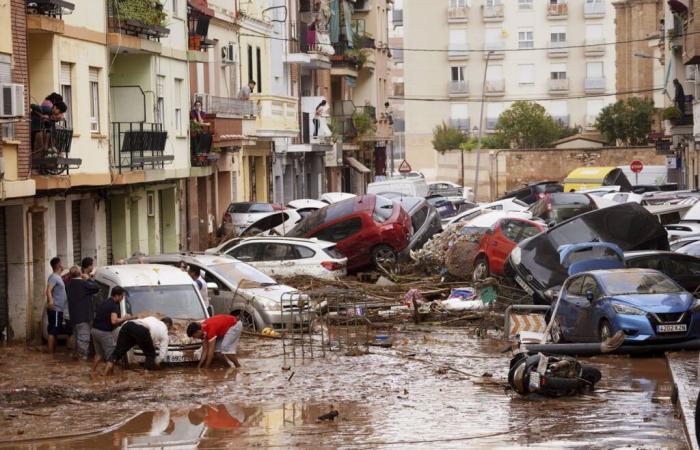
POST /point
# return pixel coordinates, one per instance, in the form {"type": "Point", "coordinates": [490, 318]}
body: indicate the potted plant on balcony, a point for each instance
{"type": "Point", "coordinates": [148, 12]}
{"type": "Point", "coordinates": [672, 114]}
{"type": "Point", "coordinates": [364, 123]}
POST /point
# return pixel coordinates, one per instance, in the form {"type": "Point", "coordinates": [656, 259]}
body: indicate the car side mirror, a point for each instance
{"type": "Point", "coordinates": [589, 296]}
{"type": "Point", "coordinates": [210, 310]}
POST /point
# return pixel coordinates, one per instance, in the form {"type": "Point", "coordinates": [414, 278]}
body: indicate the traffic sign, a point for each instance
{"type": "Point", "coordinates": [636, 166]}
{"type": "Point", "coordinates": [405, 167]}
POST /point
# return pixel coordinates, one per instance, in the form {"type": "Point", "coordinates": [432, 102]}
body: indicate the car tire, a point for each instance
{"type": "Point", "coordinates": [249, 323]}
{"type": "Point", "coordinates": [604, 330]}
{"type": "Point", "coordinates": [384, 256]}
{"type": "Point", "coordinates": [481, 268]}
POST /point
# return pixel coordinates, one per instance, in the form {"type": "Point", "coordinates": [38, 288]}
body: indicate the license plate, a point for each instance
{"type": "Point", "coordinates": [524, 285]}
{"type": "Point", "coordinates": [534, 380]}
{"type": "Point", "coordinates": [175, 359]}
{"type": "Point", "coordinates": [672, 328]}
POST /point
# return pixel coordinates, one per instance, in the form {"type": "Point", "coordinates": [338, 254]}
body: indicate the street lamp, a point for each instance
{"type": "Point", "coordinates": [645, 56]}
{"type": "Point", "coordinates": [481, 127]}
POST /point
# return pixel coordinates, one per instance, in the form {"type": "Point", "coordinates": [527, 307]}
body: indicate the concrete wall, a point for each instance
{"type": "Point", "coordinates": [504, 170]}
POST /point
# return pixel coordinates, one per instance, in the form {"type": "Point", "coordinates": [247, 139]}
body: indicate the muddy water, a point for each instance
{"type": "Point", "coordinates": [384, 400]}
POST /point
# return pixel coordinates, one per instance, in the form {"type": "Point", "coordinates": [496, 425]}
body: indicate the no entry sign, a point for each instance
{"type": "Point", "coordinates": [636, 166]}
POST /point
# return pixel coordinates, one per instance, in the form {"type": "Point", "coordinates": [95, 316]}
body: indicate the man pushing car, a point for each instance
{"type": "Point", "coordinates": [220, 334]}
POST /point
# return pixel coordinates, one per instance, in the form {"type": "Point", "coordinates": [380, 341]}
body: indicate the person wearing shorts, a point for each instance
{"type": "Point", "coordinates": [107, 318]}
{"type": "Point", "coordinates": [220, 334]}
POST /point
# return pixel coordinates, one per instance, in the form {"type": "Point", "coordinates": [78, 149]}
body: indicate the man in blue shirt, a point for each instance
{"type": "Point", "coordinates": [56, 303]}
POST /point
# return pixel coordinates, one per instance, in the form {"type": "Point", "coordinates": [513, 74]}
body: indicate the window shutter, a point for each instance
{"type": "Point", "coordinates": [160, 81]}
{"type": "Point", "coordinates": [94, 75]}
{"type": "Point", "coordinates": [65, 74]}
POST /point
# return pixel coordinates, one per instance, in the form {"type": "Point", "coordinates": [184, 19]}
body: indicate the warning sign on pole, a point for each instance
{"type": "Point", "coordinates": [405, 167]}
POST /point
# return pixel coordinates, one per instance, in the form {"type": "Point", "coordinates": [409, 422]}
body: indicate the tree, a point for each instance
{"type": "Point", "coordinates": [447, 138]}
{"type": "Point", "coordinates": [626, 121]}
{"type": "Point", "coordinates": [527, 125]}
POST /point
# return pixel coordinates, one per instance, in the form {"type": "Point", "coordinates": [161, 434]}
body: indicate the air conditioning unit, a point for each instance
{"type": "Point", "coordinates": [229, 55]}
{"type": "Point", "coordinates": [11, 100]}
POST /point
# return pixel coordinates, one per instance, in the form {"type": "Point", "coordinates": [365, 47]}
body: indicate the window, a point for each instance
{"type": "Point", "coordinates": [178, 106]}
{"type": "Point", "coordinates": [589, 284]}
{"type": "Point", "coordinates": [8, 129]}
{"type": "Point", "coordinates": [457, 73]}
{"type": "Point", "coordinates": [558, 109]}
{"type": "Point", "coordinates": [529, 231]}
{"type": "Point", "coordinates": [304, 252]}
{"type": "Point", "coordinates": [525, 39]}
{"type": "Point", "coordinates": [526, 74]}
{"type": "Point", "coordinates": [258, 63]}
{"type": "Point", "coordinates": [594, 33]}
{"type": "Point", "coordinates": [248, 252]}
{"type": "Point", "coordinates": [383, 209]}
{"type": "Point", "coordinates": [279, 252]}
{"type": "Point", "coordinates": [340, 231]}
{"type": "Point", "coordinates": [557, 72]}
{"type": "Point", "coordinates": [418, 218]}
{"type": "Point", "coordinates": [511, 229]}
{"type": "Point", "coordinates": [574, 287]}
{"type": "Point", "coordinates": [557, 35]}
{"type": "Point", "coordinates": [493, 111]}
{"type": "Point", "coordinates": [524, 4]}
{"type": "Point", "coordinates": [492, 3]}
{"type": "Point", "coordinates": [459, 3]}
{"type": "Point", "coordinates": [67, 92]}
{"type": "Point", "coordinates": [94, 100]}
{"type": "Point", "coordinates": [160, 99]}
{"type": "Point", "coordinates": [594, 69]}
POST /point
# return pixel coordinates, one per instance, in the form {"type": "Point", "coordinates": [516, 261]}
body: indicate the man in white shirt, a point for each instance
{"type": "Point", "coordinates": [148, 334]}
{"type": "Point", "coordinates": [196, 276]}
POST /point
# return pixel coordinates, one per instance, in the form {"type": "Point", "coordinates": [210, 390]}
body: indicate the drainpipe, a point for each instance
{"type": "Point", "coordinates": [30, 266]}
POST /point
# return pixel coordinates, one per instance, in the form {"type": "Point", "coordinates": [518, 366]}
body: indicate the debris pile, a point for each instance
{"type": "Point", "coordinates": [451, 252]}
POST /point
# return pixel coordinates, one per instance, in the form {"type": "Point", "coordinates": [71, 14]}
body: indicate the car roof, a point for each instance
{"type": "Point", "coordinates": [638, 253]}
{"type": "Point", "coordinates": [293, 240]}
{"type": "Point", "coordinates": [626, 270]}
{"type": "Point", "coordinates": [205, 259]}
{"type": "Point", "coordinates": [131, 275]}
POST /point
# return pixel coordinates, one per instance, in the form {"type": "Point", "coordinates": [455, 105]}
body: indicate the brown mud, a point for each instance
{"type": "Point", "coordinates": [428, 391]}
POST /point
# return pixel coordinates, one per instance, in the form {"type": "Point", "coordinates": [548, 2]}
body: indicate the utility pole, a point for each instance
{"type": "Point", "coordinates": [481, 127]}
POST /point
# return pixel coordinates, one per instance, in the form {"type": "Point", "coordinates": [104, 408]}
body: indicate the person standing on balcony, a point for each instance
{"type": "Point", "coordinates": [321, 120]}
{"type": "Point", "coordinates": [244, 93]}
{"type": "Point", "coordinates": [198, 115]}
{"type": "Point", "coordinates": [679, 97]}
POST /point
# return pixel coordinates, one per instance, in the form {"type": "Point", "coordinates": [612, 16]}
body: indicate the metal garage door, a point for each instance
{"type": "Point", "coordinates": [4, 318]}
{"type": "Point", "coordinates": [75, 218]}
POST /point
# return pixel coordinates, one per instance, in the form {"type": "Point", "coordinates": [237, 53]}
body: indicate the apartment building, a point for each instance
{"type": "Point", "coordinates": [397, 151]}
{"type": "Point", "coordinates": [554, 52]}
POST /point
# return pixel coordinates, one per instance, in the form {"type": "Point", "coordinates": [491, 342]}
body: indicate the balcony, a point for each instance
{"type": "Point", "coordinates": [497, 49]}
{"type": "Point", "coordinates": [227, 107]}
{"type": "Point", "coordinates": [129, 32]}
{"type": "Point", "coordinates": [277, 116]}
{"type": "Point", "coordinates": [457, 51]}
{"type": "Point", "coordinates": [227, 131]}
{"type": "Point", "coordinates": [201, 139]}
{"type": "Point", "coordinates": [493, 13]}
{"type": "Point", "coordinates": [397, 17]}
{"type": "Point", "coordinates": [198, 16]}
{"type": "Point", "coordinates": [594, 47]}
{"type": "Point", "coordinates": [460, 124]}
{"type": "Point", "coordinates": [458, 88]}
{"type": "Point", "coordinates": [561, 120]}
{"type": "Point", "coordinates": [494, 88]}
{"type": "Point", "coordinates": [345, 60]}
{"type": "Point", "coordinates": [594, 10]}
{"type": "Point", "coordinates": [46, 16]}
{"type": "Point", "coordinates": [139, 146]}
{"type": "Point", "coordinates": [558, 49]}
{"type": "Point", "coordinates": [559, 86]}
{"type": "Point", "coordinates": [312, 50]}
{"type": "Point", "coordinates": [558, 11]}
{"type": "Point", "coordinates": [51, 149]}
{"type": "Point", "coordinates": [594, 85]}
{"type": "Point", "coordinates": [458, 14]}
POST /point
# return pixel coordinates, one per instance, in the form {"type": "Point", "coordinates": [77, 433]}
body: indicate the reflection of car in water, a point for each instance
{"type": "Point", "coordinates": [157, 289]}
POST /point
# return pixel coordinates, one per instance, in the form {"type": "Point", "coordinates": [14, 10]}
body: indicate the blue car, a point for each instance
{"type": "Point", "coordinates": [645, 304]}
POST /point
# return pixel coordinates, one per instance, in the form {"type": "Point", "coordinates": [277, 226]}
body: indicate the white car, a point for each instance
{"type": "Point", "coordinates": [241, 215]}
{"type": "Point", "coordinates": [306, 206]}
{"type": "Point", "coordinates": [287, 257]}
{"type": "Point", "coordinates": [274, 224]}
{"type": "Point", "coordinates": [625, 197]}
{"type": "Point", "coordinates": [682, 230]}
{"type": "Point", "coordinates": [508, 204]}
{"type": "Point", "coordinates": [451, 191]}
{"type": "Point", "coordinates": [335, 197]}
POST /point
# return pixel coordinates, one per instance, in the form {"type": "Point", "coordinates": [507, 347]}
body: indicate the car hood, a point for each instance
{"type": "Point", "coordinates": [271, 292]}
{"type": "Point", "coordinates": [658, 303]}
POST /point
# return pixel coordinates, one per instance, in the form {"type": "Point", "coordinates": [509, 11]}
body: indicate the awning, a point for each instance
{"type": "Point", "coordinates": [357, 165]}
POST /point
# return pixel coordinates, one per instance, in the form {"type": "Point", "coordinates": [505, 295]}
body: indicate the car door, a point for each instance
{"type": "Point", "coordinates": [344, 235]}
{"type": "Point", "coordinates": [222, 298]}
{"type": "Point", "coordinates": [307, 264]}
{"type": "Point", "coordinates": [586, 323]}
{"type": "Point", "coordinates": [278, 259]}
{"type": "Point", "coordinates": [248, 253]}
{"type": "Point", "coordinates": [568, 304]}
{"type": "Point", "coordinates": [502, 243]}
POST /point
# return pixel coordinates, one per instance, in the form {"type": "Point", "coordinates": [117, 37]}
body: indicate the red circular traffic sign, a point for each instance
{"type": "Point", "coordinates": [636, 166]}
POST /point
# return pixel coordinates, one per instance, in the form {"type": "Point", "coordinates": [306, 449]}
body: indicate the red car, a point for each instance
{"type": "Point", "coordinates": [499, 240]}
{"type": "Point", "coordinates": [368, 229]}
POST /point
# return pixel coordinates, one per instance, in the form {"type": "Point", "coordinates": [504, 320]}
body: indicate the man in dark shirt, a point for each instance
{"type": "Point", "coordinates": [107, 318]}
{"type": "Point", "coordinates": [80, 290]}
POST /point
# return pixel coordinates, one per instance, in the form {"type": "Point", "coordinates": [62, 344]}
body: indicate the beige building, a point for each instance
{"type": "Point", "coordinates": [556, 53]}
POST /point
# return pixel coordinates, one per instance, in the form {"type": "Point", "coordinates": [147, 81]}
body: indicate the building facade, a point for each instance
{"type": "Point", "coordinates": [556, 53]}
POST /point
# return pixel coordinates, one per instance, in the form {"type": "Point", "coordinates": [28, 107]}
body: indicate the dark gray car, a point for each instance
{"type": "Point", "coordinates": [425, 219]}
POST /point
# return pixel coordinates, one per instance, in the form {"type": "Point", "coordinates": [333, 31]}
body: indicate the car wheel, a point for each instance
{"type": "Point", "coordinates": [384, 256]}
{"type": "Point", "coordinates": [604, 330]}
{"type": "Point", "coordinates": [247, 319]}
{"type": "Point", "coordinates": [481, 269]}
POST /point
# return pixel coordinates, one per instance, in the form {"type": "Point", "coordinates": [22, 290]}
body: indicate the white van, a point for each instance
{"type": "Point", "coordinates": [411, 187]}
{"type": "Point", "coordinates": [158, 289]}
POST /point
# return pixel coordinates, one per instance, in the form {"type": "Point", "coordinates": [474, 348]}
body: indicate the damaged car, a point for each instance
{"type": "Point", "coordinates": [535, 266]}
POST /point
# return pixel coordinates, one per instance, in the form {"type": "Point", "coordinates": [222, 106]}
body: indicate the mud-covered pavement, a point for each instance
{"type": "Point", "coordinates": [437, 398]}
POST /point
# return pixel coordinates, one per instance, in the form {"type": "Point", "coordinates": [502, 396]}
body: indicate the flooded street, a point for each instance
{"type": "Point", "coordinates": [388, 399]}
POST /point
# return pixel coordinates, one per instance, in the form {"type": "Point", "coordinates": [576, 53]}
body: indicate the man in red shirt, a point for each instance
{"type": "Point", "coordinates": [220, 334]}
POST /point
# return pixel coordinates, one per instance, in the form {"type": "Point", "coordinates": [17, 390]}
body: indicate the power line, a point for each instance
{"type": "Point", "coordinates": [532, 99]}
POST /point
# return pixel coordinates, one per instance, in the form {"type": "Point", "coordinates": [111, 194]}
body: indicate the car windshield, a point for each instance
{"type": "Point", "coordinates": [633, 282]}
{"type": "Point", "coordinates": [242, 275]}
{"type": "Point", "coordinates": [383, 209]}
{"type": "Point", "coordinates": [240, 208]}
{"type": "Point", "coordinates": [176, 302]}
{"type": "Point", "coordinates": [323, 215]}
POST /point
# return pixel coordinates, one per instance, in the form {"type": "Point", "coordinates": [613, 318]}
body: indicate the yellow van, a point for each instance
{"type": "Point", "coordinates": [593, 177]}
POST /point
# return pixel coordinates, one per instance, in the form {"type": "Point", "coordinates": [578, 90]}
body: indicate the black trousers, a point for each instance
{"type": "Point", "coordinates": [316, 124]}
{"type": "Point", "coordinates": [131, 335]}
